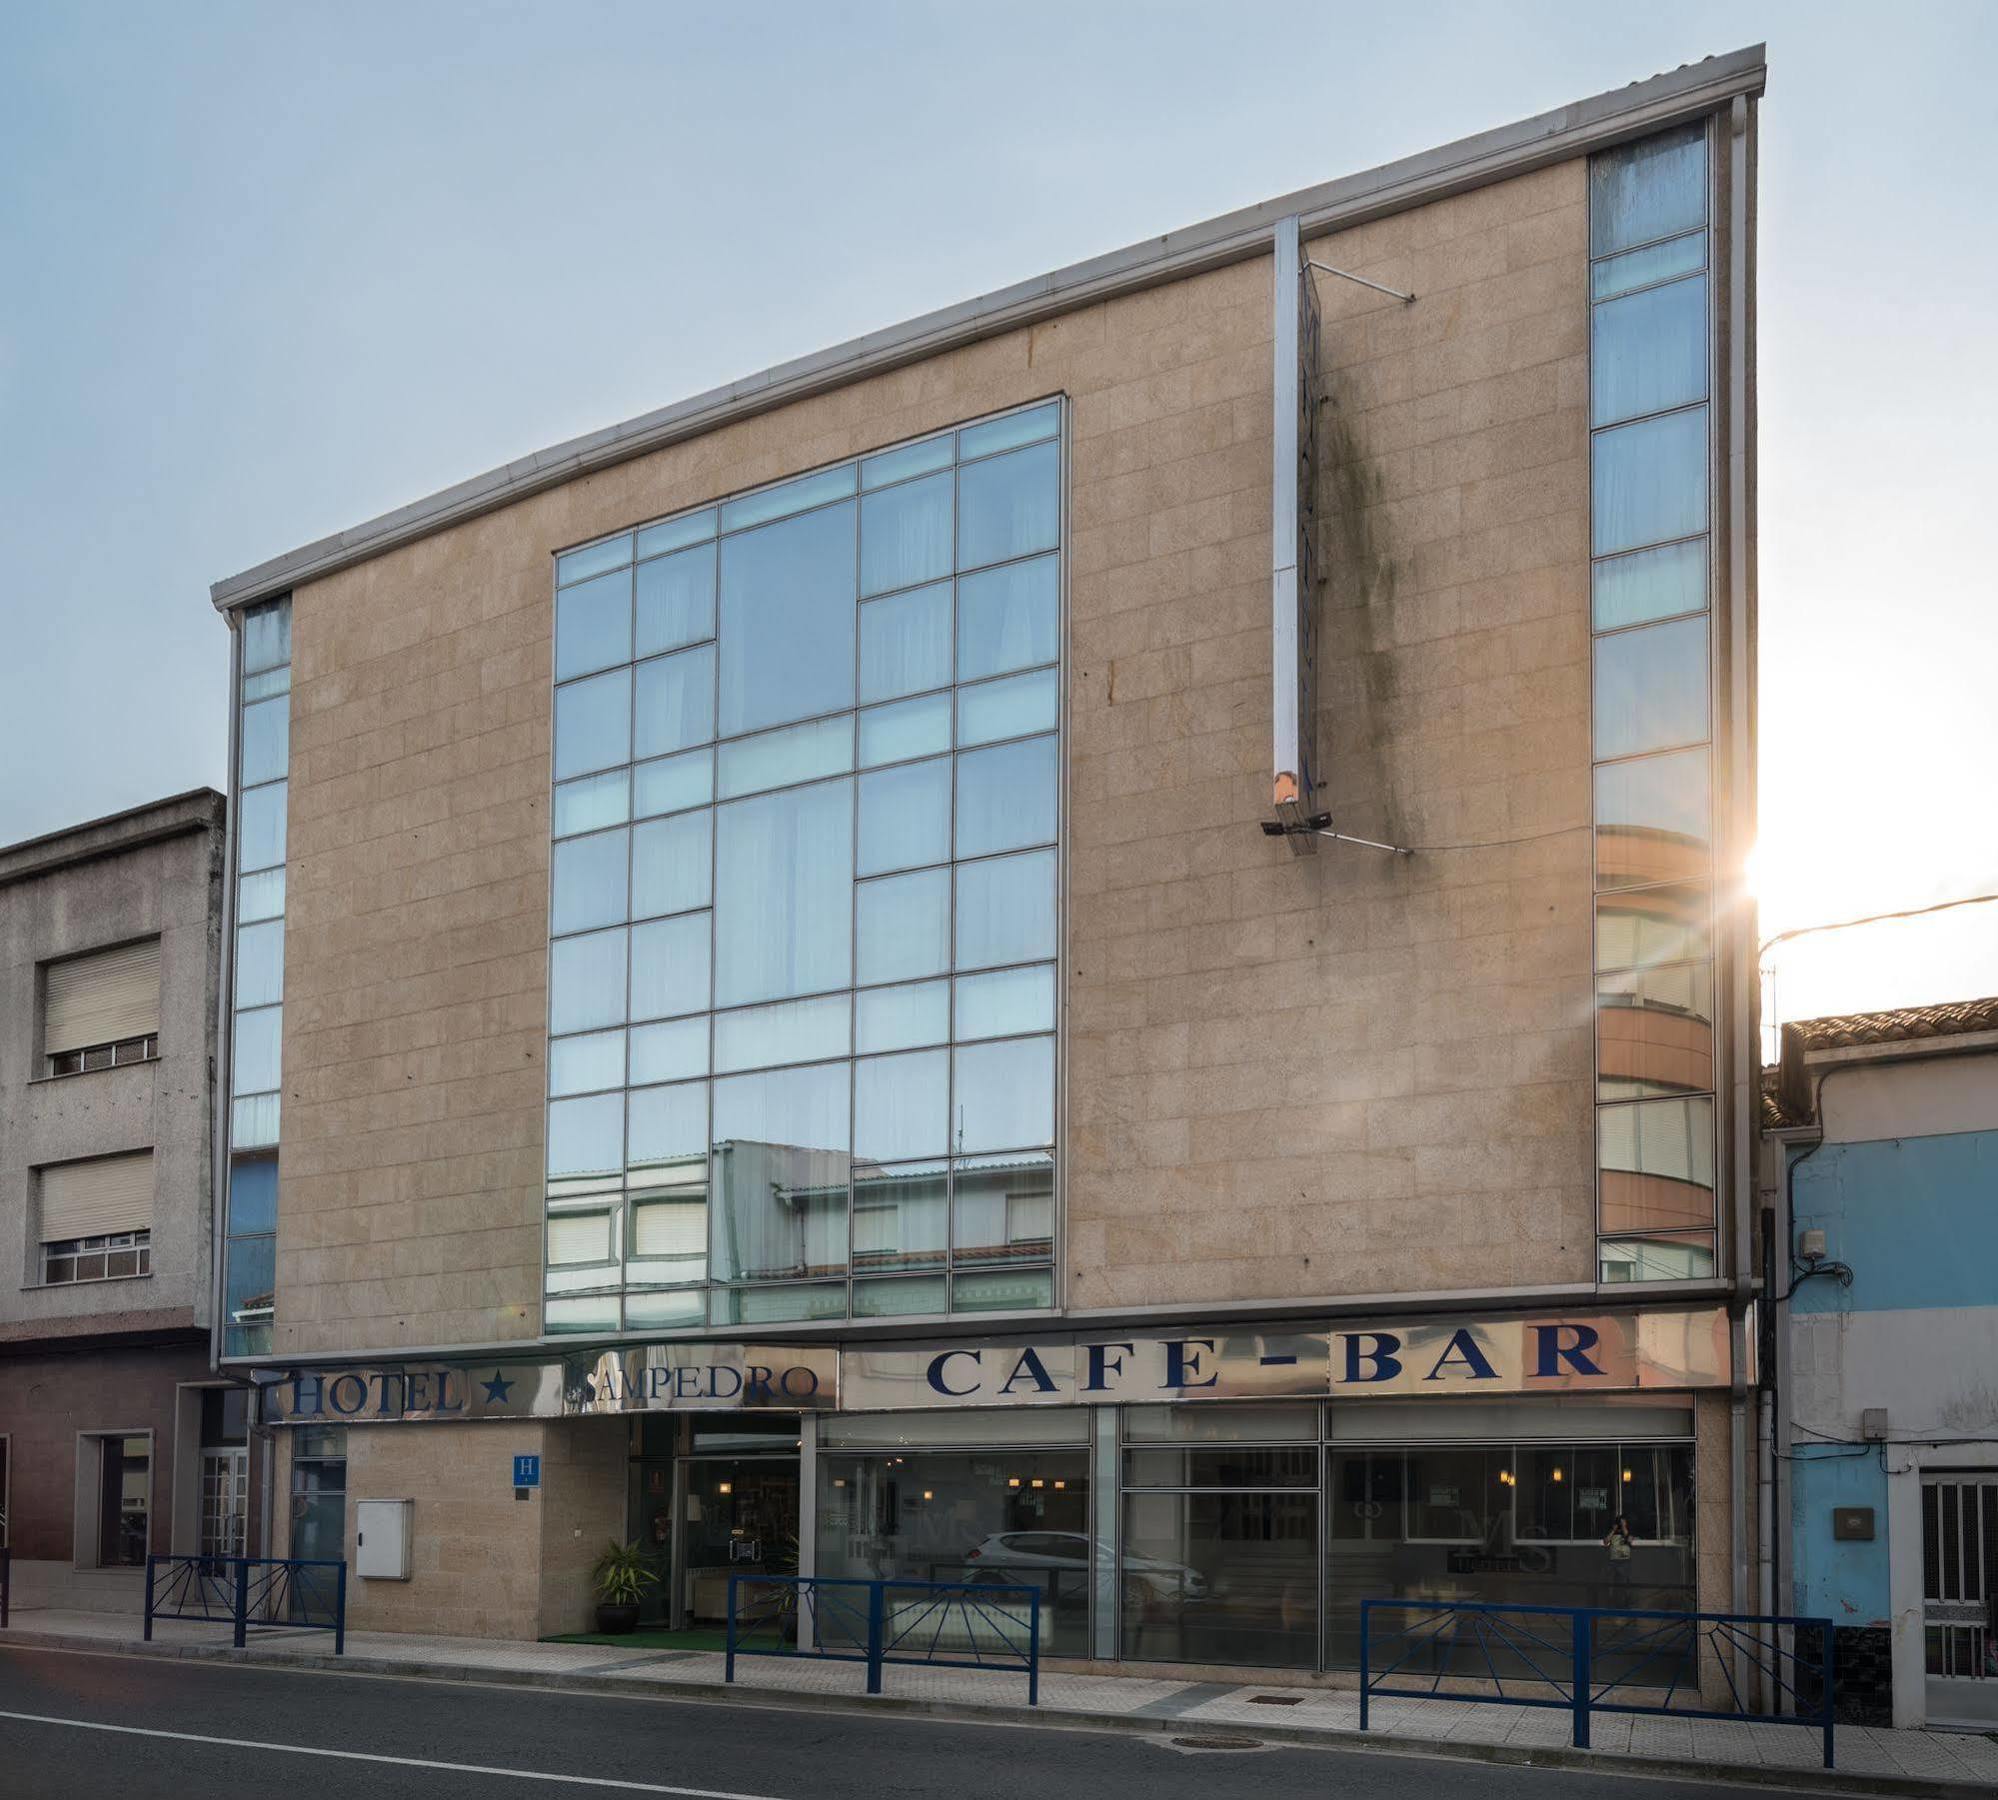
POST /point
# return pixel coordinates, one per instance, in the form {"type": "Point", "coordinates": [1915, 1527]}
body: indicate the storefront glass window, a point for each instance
{"type": "Point", "coordinates": [1505, 1524]}
{"type": "Point", "coordinates": [807, 772]}
{"type": "Point", "coordinates": [1018, 1517]}
{"type": "Point", "coordinates": [1220, 1577]}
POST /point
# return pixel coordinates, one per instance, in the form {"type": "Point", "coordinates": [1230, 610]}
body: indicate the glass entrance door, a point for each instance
{"type": "Point", "coordinates": [740, 1517]}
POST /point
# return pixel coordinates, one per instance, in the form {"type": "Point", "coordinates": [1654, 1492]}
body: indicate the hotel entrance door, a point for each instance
{"type": "Point", "coordinates": [740, 1518]}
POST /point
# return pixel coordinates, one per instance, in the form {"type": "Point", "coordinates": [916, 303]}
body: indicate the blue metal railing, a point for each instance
{"type": "Point", "coordinates": [935, 1624]}
{"type": "Point", "coordinates": [6, 1584]}
{"type": "Point", "coordinates": [246, 1590]}
{"type": "Point", "coordinates": [1592, 1659]}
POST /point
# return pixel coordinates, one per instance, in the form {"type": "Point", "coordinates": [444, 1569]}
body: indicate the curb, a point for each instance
{"type": "Point", "coordinates": [1900, 1787]}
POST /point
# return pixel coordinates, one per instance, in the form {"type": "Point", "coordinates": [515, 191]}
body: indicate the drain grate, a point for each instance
{"type": "Point", "coordinates": [1276, 1699]}
{"type": "Point", "coordinates": [1217, 1743]}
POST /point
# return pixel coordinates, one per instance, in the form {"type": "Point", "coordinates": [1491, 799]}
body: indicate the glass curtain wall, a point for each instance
{"type": "Point", "coordinates": [802, 974]}
{"type": "Point", "coordinates": [1651, 573]}
{"type": "Point", "coordinates": [262, 788]}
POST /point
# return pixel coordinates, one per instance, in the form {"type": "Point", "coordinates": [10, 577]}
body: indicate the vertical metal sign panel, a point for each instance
{"type": "Point", "coordinates": [1293, 578]}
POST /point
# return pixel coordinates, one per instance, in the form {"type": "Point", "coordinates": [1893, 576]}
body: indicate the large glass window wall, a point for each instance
{"type": "Point", "coordinates": [262, 788]}
{"type": "Point", "coordinates": [1650, 362]}
{"type": "Point", "coordinates": [804, 900]}
{"type": "Point", "coordinates": [1249, 1534]}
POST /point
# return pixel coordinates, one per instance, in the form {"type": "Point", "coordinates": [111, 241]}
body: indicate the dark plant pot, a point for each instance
{"type": "Point", "coordinates": [613, 1618]}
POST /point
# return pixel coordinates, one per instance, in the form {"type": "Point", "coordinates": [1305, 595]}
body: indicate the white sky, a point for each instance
{"type": "Point", "coordinates": [266, 272]}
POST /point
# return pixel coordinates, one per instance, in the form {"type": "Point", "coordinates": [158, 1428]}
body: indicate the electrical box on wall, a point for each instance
{"type": "Point", "coordinates": [381, 1539]}
{"type": "Point", "coordinates": [1852, 1524]}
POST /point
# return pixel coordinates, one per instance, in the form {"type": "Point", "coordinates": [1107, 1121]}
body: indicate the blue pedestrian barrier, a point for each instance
{"type": "Point", "coordinates": [1586, 1660]}
{"type": "Point", "coordinates": [273, 1591]}
{"type": "Point", "coordinates": [930, 1624]}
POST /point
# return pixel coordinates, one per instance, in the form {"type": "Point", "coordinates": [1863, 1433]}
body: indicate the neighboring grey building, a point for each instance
{"type": "Point", "coordinates": [115, 1437]}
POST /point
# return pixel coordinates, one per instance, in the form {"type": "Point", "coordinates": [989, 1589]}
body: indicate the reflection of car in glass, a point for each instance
{"type": "Point", "coordinates": [1147, 1580]}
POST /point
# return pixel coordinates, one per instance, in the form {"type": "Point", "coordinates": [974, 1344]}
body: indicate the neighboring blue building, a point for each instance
{"type": "Point", "coordinates": [1887, 1352]}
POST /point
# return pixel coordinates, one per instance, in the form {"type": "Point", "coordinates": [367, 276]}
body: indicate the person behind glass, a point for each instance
{"type": "Point", "coordinates": [1618, 1544]}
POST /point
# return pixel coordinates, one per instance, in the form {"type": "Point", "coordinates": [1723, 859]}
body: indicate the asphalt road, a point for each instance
{"type": "Point", "coordinates": [140, 1728]}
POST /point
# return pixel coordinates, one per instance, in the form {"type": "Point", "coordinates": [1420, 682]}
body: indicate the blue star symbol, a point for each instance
{"type": "Point", "coordinates": [497, 1389]}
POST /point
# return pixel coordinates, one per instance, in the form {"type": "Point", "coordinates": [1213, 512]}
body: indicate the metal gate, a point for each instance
{"type": "Point", "coordinates": [1959, 1595]}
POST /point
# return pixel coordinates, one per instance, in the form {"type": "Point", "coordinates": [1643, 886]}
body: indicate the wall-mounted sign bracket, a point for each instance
{"type": "Point", "coordinates": [1347, 275]}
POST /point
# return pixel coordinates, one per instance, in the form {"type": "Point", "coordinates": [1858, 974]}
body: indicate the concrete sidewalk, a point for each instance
{"type": "Point", "coordinates": [1949, 1765]}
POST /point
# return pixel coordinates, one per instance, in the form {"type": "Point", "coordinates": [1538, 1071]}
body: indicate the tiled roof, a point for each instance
{"type": "Point", "coordinates": [1788, 1089]}
{"type": "Point", "coordinates": [1950, 1020]}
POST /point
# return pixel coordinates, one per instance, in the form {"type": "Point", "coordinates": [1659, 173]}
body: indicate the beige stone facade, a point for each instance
{"type": "Point", "coordinates": [1287, 1077]}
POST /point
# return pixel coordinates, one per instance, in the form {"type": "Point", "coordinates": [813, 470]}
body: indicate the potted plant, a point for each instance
{"type": "Point", "coordinates": [621, 1575]}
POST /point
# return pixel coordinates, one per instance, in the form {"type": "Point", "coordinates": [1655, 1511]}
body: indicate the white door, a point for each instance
{"type": "Point", "coordinates": [1959, 1592]}
{"type": "Point", "coordinates": [225, 1501]}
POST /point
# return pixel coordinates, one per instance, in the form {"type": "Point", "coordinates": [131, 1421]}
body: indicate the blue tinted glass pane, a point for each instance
{"type": "Point", "coordinates": [676, 781]}
{"type": "Point", "coordinates": [792, 1031]}
{"type": "Point", "coordinates": [1006, 1002]}
{"type": "Point", "coordinates": [779, 758]}
{"type": "Point", "coordinates": [586, 1137]}
{"type": "Point", "coordinates": [781, 1173]}
{"type": "Point", "coordinates": [783, 863]}
{"type": "Point", "coordinates": [787, 621]}
{"type": "Point", "coordinates": [593, 724]}
{"type": "Point", "coordinates": [1004, 709]}
{"type": "Point", "coordinates": [905, 643]}
{"type": "Point", "coordinates": [1006, 797]}
{"type": "Point", "coordinates": [1651, 584]}
{"type": "Point", "coordinates": [907, 729]}
{"type": "Point", "coordinates": [901, 1106]}
{"type": "Point", "coordinates": [1006, 910]}
{"type": "Point", "coordinates": [1003, 1098]}
{"type": "Point", "coordinates": [1002, 434]}
{"type": "Point", "coordinates": [902, 1018]}
{"type": "Point", "coordinates": [1651, 481]}
{"type": "Point", "coordinates": [803, 1107]}
{"type": "Point", "coordinates": [791, 497]}
{"type": "Point", "coordinates": [593, 559]}
{"type": "Point", "coordinates": [1640, 268]}
{"type": "Point", "coordinates": [911, 459]}
{"type": "Point", "coordinates": [902, 926]}
{"type": "Point", "coordinates": [670, 864]}
{"type": "Point", "coordinates": [1649, 351]}
{"type": "Point", "coordinates": [676, 534]}
{"type": "Point", "coordinates": [252, 1195]}
{"type": "Point", "coordinates": [586, 982]}
{"type": "Point", "coordinates": [266, 739]}
{"type": "Point", "coordinates": [1647, 190]}
{"type": "Point", "coordinates": [676, 600]}
{"type": "Point", "coordinates": [589, 885]}
{"type": "Point", "coordinates": [260, 896]}
{"type": "Point", "coordinates": [586, 1064]}
{"type": "Point", "coordinates": [1652, 820]}
{"type": "Point", "coordinates": [1009, 506]}
{"type": "Point", "coordinates": [267, 636]}
{"type": "Point", "coordinates": [259, 1041]}
{"type": "Point", "coordinates": [260, 821]}
{"type": "Point", "coordinates": [904, 817]}
{"type": "Point", "coordinates": [669, 1051]}
{"type": "Point", "coordinates": [1651, 688]}
{"type": "Point", "coordinates": [593, 625]}
{"type": "Point", "coordinates": [1008, 618]}
{"type": "Point", "coordinates": [260, 964]}
{"type": "Point", "coordinates": [250, 1287]}
{"type": "Point", "coordinates": [676, 701]}
{"type": "Point", "coordinates": [669, 966]}
{"type": "Point", "coordinates": [262, 687]}
{"type": "Point", "coordinates": [594, 801]}
{"type": "Point", "coordinates": [905, 535]}
{"type": "Point", "coordinates": [669, 1125]}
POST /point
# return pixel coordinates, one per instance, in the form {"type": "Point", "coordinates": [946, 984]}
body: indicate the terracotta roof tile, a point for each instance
{"type": "Point", "coordinates": [1949, 1020]}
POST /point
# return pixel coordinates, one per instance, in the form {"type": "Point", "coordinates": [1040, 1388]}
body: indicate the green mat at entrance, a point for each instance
{"type": "Point", "coordinates": [710, 1638]}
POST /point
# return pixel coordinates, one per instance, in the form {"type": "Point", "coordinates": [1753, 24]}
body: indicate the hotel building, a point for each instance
{"type": "Point", "coordinates": [1096, 937]}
